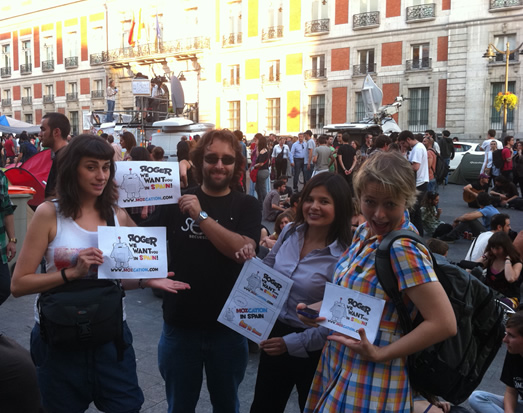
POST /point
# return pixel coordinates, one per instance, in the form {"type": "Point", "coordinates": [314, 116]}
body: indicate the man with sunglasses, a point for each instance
{"type": "Point", "coordinates": [204, 230]}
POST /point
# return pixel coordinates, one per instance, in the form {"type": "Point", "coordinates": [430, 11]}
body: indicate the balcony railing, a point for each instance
{"type": "Point", "coordinates": [320, 73]}
{"type": "Point", "coordinates": [97, 94]}
{"type": "Point", "coordinates": [231, 39]}
{"type": "Point", "coordinates": [273, 78]}
{"type": "Point", "coordinates": [97, 58]}
{"type": "Point", "coordinates": [501, 58]}
{"type": "Point", "coordinates": [48, 98]}
{"type": "Point", "coordinates": [496, 5]}
{"type": "Point", "coordinates": [231, 82]}
{"type": "Point", "coordinates": [71, 97]}
{"type": "Point", "coordinates": [47, 65]}
{"type": "Point", "coordinates": [191, 44]}
{"type": "Point", "coordinates": [421, 12]}
{"type": "Point", "coordinates": [272, 33]}
{"type": "Point", "coordinates": [366, 20]}
{"type": "Point", "coordinates": [26, 68]}
{"type": "Point", "coordinates": [363, 69]}
{"type": "Point", "coordinates": [71, 62]}
{"type": "Point", "coordinates": [419, 64]}
{"type": "Point", "coordinates": [27, 100]}
{"type": "Point", "coordinates": [5, 71]}
{"type": "Point", "coordinates": [317, 27]}
{"type": "Point", "coordinates": [6, 102]}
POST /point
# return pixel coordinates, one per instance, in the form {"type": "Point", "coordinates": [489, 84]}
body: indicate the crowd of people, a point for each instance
{"type": "Point", "coordinates": [346, 196]}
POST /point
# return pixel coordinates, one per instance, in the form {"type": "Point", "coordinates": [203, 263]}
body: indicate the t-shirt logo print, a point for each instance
{"type": "Point", "coordinates": [194, 228]}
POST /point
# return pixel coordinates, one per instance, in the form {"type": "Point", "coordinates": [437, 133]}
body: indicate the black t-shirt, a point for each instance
{"type": "Point", "coordinates": [509, 190]}
{"type": "Point", "coordinates": [347, 153]}
{"type": "Point", "coordinates": [478, 187]}
{"type": "Point", "coordinates": [50, 187]}
{"type": "Point", "coordinates": [263, 159]}
{"type": "Point", "coordinates": [195, 260]}
{"type": "Point", "coordinates": [512, 374]}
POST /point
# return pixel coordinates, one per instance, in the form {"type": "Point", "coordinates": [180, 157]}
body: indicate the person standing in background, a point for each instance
{"type": "Point", "coordinates": [111, 100]}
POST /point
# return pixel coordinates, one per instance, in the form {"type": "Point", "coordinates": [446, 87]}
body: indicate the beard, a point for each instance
{"type": "Point", "coordinates": [214, 184]}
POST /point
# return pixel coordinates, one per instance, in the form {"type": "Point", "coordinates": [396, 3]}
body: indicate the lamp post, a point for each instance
{"type": "Point", "coordinates": [490, 54]}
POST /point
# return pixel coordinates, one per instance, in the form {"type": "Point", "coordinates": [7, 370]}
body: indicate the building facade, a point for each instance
{"type": "Point", "coordinates": [267, 66]}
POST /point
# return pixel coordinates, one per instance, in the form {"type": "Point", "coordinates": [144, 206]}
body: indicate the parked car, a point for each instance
{"type": "Point", "coordinates": [461, 148]}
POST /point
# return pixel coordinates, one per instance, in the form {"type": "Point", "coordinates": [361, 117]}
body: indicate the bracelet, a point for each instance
{"type": "Point", "coordinates": [140, 284]}
{"type": "Point", "coordinates": [62, 271]}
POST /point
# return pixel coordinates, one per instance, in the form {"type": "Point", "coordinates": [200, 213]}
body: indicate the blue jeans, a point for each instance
{"type": "Point", "coordinates": [110, 110]}
{"type": "Point", "coordinates": [484, 402]}
{"type": "Point", "coordinates": [299, 167]}
{"type": "Point", "coordinates": [184, 353]}
{"type": "Point", "coordinates": [71, 379]}
{"type": "Point", "coordinates": [433, 186]}
{"type": "Point", "coordinates": [447, 162]}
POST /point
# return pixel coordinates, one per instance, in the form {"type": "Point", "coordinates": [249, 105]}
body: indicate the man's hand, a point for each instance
{"type": "Point", "coordinates": [274, 346]}
{"type": "Point", "coordinates": [11, 250]}
{"type": "Point", "coordinates": [190, 205]}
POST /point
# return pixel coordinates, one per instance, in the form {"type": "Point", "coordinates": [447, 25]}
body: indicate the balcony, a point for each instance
{"type": "Point", "coordinates": [419, 64]}
{"type": "Point", "coordinates": [98, 58]}
{"type": "Point", "coordinates": [272, 33]}
{"type": "Point", "coordinates": [271, 78]}
{"type": "Point", "coordinates": [231, 82]}
{"type": "Point", "coordinates": [363, 69]}
{"type": "Point", "coordinates": [71, 62]}
{"type": "Point", "coordinates": [27, 100]}
{"type": "Point", "coordinates": [501, 5]}
{"type": "Point", "coordinates": [97, 94]}
{"type": "Point", "coordinates": [47, 65]}
{"type": "Point", "coordinates": [366, 20]}
{"type": "Point", "coordinates": [320, 73]}
{"type": "Point", "coordinates": [232, 39]}
{"type": "Point", "coordinates": [5, 72]}
{"type": "Point", "coordinates": [149, 51]}
{"type": "Point", "coordinates": [6, 102]}
{"type": "Point", "coordinates": [315, 27]}
{"type": "Point", "coordinates": [423, 12]}
{"type": "Point", "coordinates": [501, 59]}
{"type": "Point", "coordinates": [71, 97]}
{"type": "Point", "coordinates": [26, 69]}
{"type": "Point", "coordinates": [48, 98]}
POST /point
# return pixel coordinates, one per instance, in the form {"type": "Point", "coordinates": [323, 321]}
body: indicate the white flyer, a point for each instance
{"type": "Point", "coordinates": [144, 183]}
{"type": "Point", "coordinates": [133, 252]}
{"type": "Point", "coordinates": [346, 311]}
{"type": "Point", "coordinates": [255, 300]}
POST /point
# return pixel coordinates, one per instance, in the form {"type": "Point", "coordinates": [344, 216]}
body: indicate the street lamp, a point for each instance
{"type": "Point", "coordinates": [490, 54]}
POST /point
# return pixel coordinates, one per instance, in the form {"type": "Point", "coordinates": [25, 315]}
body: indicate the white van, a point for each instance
{"type": "Point", "coordinates": [172, 130]}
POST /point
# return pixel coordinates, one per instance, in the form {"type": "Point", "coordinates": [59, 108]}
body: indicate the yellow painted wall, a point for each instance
{"type": "Point", "coordinates": [218, 113]}
{"type": "Point", "coordinates": [252, 21]}
{"type": "Point", "coordinates": [217, 20]}
{"type": "Point", "coordinates": [218, 72]}
{"type": "Point", "coordinates": [293, 111]}
{"type": "Point", "coordinates": [295, 15]}
{"type": "Point", "coordinates": [252, 113]}
{"type": "Point", "coordinates": [294, 64]}
{"type": "Point", "coordinates": [71, 22]}
{"type": "Point", "coordinates": [96, 17]}
{"type": "Point", "coordinates": [252, 69]}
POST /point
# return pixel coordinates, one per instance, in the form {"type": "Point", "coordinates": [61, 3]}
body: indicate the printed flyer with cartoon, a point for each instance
{"type": "Point", "coordinates": [346, 311]}
{"type": "Point", "coordinates": [133, 252]}
{"type": "Point", "coordinates": [255, 301]}
{"type": "Point", "coordinates": [143, 183]}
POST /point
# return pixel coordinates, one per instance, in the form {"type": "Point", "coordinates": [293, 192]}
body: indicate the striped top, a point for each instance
{"type": "Point", "coordinates": [344, 382]}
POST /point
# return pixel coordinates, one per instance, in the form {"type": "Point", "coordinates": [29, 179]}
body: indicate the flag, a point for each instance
{"type": "Point", "coordinates": [140, 26]}
{"type": "Point", "coordinates": [131, 33]}
{"type": "Point", "coordinates": [158, 32]}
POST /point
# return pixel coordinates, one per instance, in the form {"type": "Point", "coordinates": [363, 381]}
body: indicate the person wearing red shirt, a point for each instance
{"type": "Point", "coordinates": [507, 154]}
{"type": "Point", "coordinates": [9, 149]}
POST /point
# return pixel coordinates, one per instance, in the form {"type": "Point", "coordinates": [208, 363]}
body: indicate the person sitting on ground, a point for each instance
{"type": "Point", "coordinates": [498, 223]}
{"type": "Point", "coordinates": [437, 246]}
{"type": "Point", "coordinates": [471, 220]}
{"type": "Point", "coordinates": [505, 194]}
{"type": "Point", "coordinates": [430, 214]}
{"type": "Point", "coordinates": [471, 191]}
{"type": "Point", "coordinates": [271, 204]}
{"type": "Point", "coordinates": [288, 191]}
{"type": "Point", "coordinates": [283, 219]}
{"type": "Point", "coordinates": [294, 201]}
{"type": "Point", "coordinates": [503, 266]}
{"type": "Point", "coordinates": [511, 375]}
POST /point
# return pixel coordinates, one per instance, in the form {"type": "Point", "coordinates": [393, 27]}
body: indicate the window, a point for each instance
{"type": "Point", "coordinates": [360, 107]}
{"type": "Point", "coordinates": [191, 22]}
{"type": "Point", "coordinates": [316, 111]}
{"type": "Point", "coordinates": [319, 10]}
{"type": "Point", "coordinates": [6, 55]}
{"type": "Point", "coordinates": [419, 109]}
{"type": "Point", "coordinates": [273, 71]}
{"type": "Point", "coordinates": [73, 117]}
{"type": "Point", "coordinates": [71, 44]}
{"type": "Point", "coordinates": [235, 18]}
{"type": "Point", "coordinates": [73, 87]}
{"type": "Point", "coordinates": [275, 14]}
{"type": "Point", "coordinates": [97, 42]}
{"type": "Point", "coordinates": [496, 118]}
{"type": "Point", "coordinates": [27, 92]}
{"type": "Point", "coordinates": [501, 43]}
{"type": "Point", "coordinates": [98, 84]}
{"type": "Point", "coordinates": [233, 78]}
{"type": "Point", "coordinates": [234, 115]}
{"type": "Point", "coordinates": [367, 63]}
{"type": "Point", "coordinates": [368, 5]}
{"type": "Point", "coordinates": [48, 49]}
{"type": "Point", "coordinates": [318, 66]}
{"type": "Point", "coordinates": [420, 56]}
{"type": "Point", "coordinates": [26, 52]}
{"type": "Point", "coordinates": [28, 117]}
{"type": "Point", "coordinates": [273, 115]}
{"type": "Point", "coordinates": [49, 90]}
{"type": "Point", "coordinates": [7, 93]}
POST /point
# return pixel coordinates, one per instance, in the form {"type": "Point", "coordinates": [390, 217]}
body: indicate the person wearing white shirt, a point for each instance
{"type": "Point", "coordinates": [280, 153]}
{"type": "Point", "coordinates": [498, 223]}
{"type": "Point", "coordinates": [491, 136]}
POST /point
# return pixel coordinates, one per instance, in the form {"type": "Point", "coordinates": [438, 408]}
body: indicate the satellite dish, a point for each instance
{"type": "Point", "coordinates": [371, 95]}
{"type": "Point", "coordinates": [177, 96]}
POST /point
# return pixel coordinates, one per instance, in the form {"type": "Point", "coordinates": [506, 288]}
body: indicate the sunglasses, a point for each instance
{"type": "Point", "coordinates": [213, 159]}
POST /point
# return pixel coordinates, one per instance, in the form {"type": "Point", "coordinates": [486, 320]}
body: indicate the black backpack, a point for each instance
{"type": "Point", "coordinates": [453, 368]}
{"type": "Point", "coordinates": [442, 169]}
{"type": "Point", "coordinates": [497, 158]}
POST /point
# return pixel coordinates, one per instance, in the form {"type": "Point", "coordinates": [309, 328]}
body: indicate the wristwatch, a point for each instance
{"type": "Point", "coordinates": [202, 216]}
{"type": "Point", "coordinates": [13, 240]}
